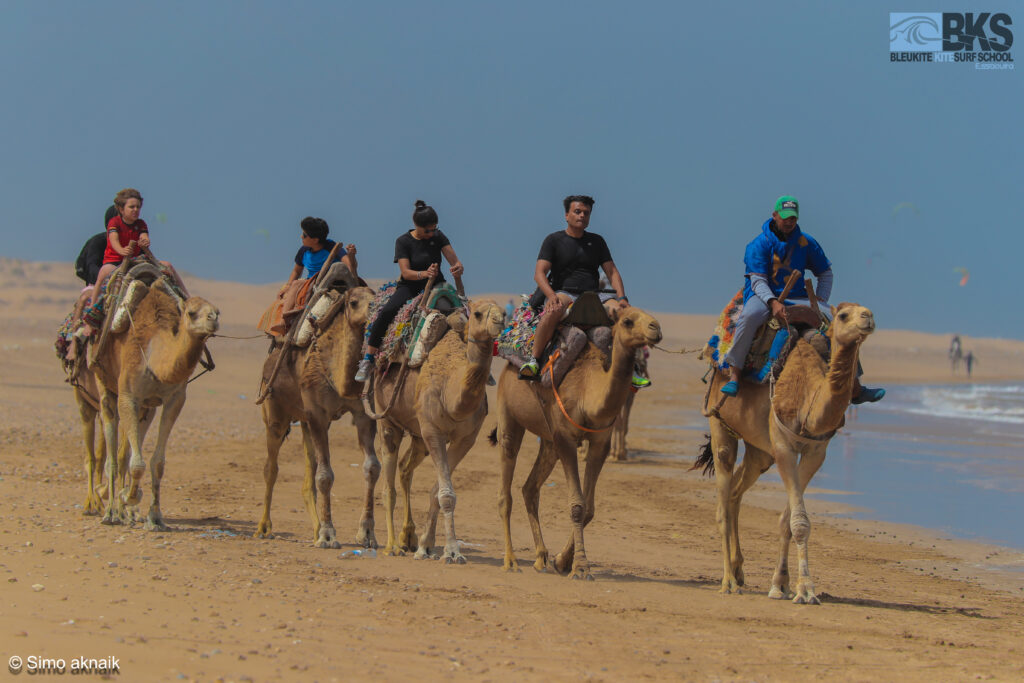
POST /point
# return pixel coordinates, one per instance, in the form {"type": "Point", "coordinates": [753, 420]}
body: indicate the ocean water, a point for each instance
{"type": "Point", "coordinates": [949, 458]}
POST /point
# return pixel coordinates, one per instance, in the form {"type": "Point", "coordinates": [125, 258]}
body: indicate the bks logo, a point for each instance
{"type": "Point", "coordinates": [969, 31]}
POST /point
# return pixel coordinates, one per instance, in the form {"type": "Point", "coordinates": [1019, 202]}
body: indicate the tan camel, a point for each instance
{"type": "Point", "coordinates": [593, 392]}
{"type": "Point", "coordinates": [315, 386]}
{"type": "Point", "coordinates": [442, 406]}
{"type": "Point", "coordinates": [810, 401]}
{"type": "Point", "coordinates": [148, 365]}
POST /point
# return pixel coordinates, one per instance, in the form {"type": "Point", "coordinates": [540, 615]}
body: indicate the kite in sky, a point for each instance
{"type": "Point", "coordinates": [964, 275]}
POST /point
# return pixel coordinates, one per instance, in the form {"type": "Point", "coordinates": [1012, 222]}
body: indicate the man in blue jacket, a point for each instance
{"type": "Point", "coordinates": [770, 258]}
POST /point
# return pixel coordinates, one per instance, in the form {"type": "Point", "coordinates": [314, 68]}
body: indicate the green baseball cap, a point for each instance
{"type": "Point", "coordinates": [787, 206]}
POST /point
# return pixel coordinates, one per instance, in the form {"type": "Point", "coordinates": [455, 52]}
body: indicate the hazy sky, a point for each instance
{"type": "Point", "coordinates": [236, 119]}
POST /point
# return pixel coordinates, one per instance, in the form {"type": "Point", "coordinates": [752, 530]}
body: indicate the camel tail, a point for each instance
{"type": "Point", "coordinates": [706, 459]}
{"type": "Point", "coordinates": [493, 437]}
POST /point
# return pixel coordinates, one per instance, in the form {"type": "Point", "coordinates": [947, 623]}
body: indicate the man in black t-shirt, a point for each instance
{"type": "Point", "coordinates": [567, 266]}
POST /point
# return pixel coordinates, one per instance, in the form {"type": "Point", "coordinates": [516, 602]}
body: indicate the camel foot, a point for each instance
{"type": "Point", "coordinates": [805, 596]}
{"type": "Point", "coordinates": [93, 506]}
{"type": "Point", "coordinates": [424, 554]}
{"type": "Point", "coordinates": [156, 524]}
{"type": "Point", "coordinates": [562, 564]}
{"type": "Point", "coordinates": [133, 496]}
{"type": "Point", "coordinates": [365, 536]}
{"type": "Point", "coordinates": [581, 573]}
{"type": "Point", "coordinates": [327, 539]}
{"type": "Point", "coordinates": [111, 518]}
{"type": "Point", "coordinates": [264, 530]}
{"type": "Point", "coordinates": [407, 539]}
{"type": "Point", "coordinates": [511, 565]}
{"type": "Point", "coordinates": [730, 586]}
{"type": "Point", "coordinates": [738, 573]}
{"type": "Point", "coordinates": [393, 551]}
{"type": "Point", "coordinates": [453, 557]}
{"type": "Point", "coordinates": [777, 593]}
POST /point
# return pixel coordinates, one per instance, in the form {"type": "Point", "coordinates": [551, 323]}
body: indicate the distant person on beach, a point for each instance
{"type": "Point", "coordinates": [418, 254]}
{"type": "Point", "coordinates": [955, 351]}
{"type": "Point", "coordinates": [969, 360]}
{"type": "Point", "coordinates": [781, 249]}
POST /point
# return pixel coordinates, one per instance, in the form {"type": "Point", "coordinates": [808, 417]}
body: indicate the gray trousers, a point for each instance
{"type": "Point", "coordinates": [754, 314]}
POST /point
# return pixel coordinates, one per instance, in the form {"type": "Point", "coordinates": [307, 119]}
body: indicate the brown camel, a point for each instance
{"type": "Point", "coordinates": [315, 386]}
{"type": "Point", "coordinates": [592, 392]}
{"type": "Point", "coordinates": [145, 366]}
{"type": "Point", "coordinates": [810, 400]}
{"type": "Point", "coordinates": [442, 406]}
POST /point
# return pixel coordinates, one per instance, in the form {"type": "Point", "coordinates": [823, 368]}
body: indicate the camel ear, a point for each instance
{"type": "Point", "coordinates": [833, 309]}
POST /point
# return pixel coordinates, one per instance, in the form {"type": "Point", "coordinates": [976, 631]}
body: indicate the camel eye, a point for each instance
{"type": "Point", "coordinates": [477, 315]}
{"type": "Point", "coordinates": [843, 317]}
{"type": "Point", "coordinates": [627, 322]}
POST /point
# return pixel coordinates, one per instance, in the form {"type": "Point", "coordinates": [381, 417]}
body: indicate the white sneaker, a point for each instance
{"type": "Point", "coordinates": [365, 368]}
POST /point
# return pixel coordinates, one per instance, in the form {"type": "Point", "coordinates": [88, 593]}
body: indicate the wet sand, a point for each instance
{"type": "Point", "coordinates": [206, 601]}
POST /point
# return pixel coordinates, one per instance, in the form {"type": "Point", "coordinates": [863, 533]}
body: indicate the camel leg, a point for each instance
{"type": "Point", "coordinates": [308, 478]}
{"type": "Point", "coordinates": [546, 460]}
{"type": "Point", "coordinates": [115, 508]}
{"type": "Point", "coordinates": [620, 429]}
{"type": "Point", "coordinates": [93, 505]}
{"type": "Point", "coordinates": [366, 429]}
{"type": "Point", "coordinates": [324, 479]}
{"type": "Point", "coordinates": [456, 451]}
{"type": "Point", "coordinates": [724, 447]}
{"type": "Point", "coordinates": [596, 454]}
{"type": "Point", "coordinates": [796, 475]}
{"type": "Point", "coordinates": [438, 449]}
{"type": "Point", "coordinates": [511, 439]}
{"type": "Point", "coordinates": [411, 459]}
{"type": "Point", "coordinates": [168, 416]}
{"type": "Point", "coordinates": [129, 414]}
{"type": "Point", "coordinates": [277, 430]}
{"type": "Point", "coordinates": [391, 437]}
{"type": "Point", "coordinates": [755, 463]}
{"type": "Point", "coordinates": [580, 568]}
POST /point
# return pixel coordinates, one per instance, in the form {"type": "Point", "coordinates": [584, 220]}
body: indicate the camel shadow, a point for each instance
{"type": "Point", "coordinates": [625, 578]}
{"type": "Point", "coordinates": [973, 612]}
{"type": "Point", "coordinates": [216, 527]}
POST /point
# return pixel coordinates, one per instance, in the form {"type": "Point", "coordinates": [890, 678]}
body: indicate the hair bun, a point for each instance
{"type": "Point", "coordinates": [420, 204]}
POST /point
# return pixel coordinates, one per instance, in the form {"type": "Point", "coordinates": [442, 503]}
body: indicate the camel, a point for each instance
{"type": "Point", "coordinates": [592, 392]}
{"type": "Point", "coordinates": [442, 406]}
{"type": "Point", "coordinates": [315, 386]}
{"type": "Point", "coordinates": [810, 400]}
{"type": "Point", "coordinates": [148, 365]}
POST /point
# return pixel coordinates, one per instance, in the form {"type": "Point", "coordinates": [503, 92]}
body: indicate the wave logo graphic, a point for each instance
{"type": "Point", "coordinates": [915, 32]}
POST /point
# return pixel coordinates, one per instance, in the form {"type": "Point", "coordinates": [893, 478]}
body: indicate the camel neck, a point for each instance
{"type": "Point", "coordinates": [472, 379]}
{"type": "Point", "coordinates": [603, 401]}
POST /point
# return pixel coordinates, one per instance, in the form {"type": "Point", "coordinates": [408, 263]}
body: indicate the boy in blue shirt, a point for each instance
{"type": "Point", "coordinates": [315, 249]}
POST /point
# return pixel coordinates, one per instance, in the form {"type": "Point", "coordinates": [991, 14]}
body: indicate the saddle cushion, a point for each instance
{"type": "Point", "coordinates": [402, 330]}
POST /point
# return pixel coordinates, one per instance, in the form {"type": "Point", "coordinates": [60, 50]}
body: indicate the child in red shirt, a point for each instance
{"type": "Point", "coordinates": [124, 228]}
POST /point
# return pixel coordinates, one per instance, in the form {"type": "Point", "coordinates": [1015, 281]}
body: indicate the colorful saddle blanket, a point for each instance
{"type": "Point", "coordinates": [404, 330]}
{"type": "Point", "coordinates": [771, 345]}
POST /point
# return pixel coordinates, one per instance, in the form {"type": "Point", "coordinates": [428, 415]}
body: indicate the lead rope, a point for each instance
{"type": "Point", "coordinates": [549, 368]}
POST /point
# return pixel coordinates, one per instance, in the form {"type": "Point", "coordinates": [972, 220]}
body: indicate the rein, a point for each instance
{"type": "Point", "coordinates": [549, 368]}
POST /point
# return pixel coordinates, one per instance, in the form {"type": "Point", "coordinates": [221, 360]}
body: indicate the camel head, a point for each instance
{"type": "Point", "coordinates": [851, 324]}
{"type": "Point", "coordinates": [357, 305]}
{"type": "Point", "coordinates": [486, 320]}
{"type": "Point", "coordinates": [635, 328]}
{"type": "Point", "coordinates": [201, 318]}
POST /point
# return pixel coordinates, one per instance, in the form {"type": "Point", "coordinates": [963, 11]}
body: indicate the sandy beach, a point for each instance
{"type": "Point", "coordinates": [206, 601]}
